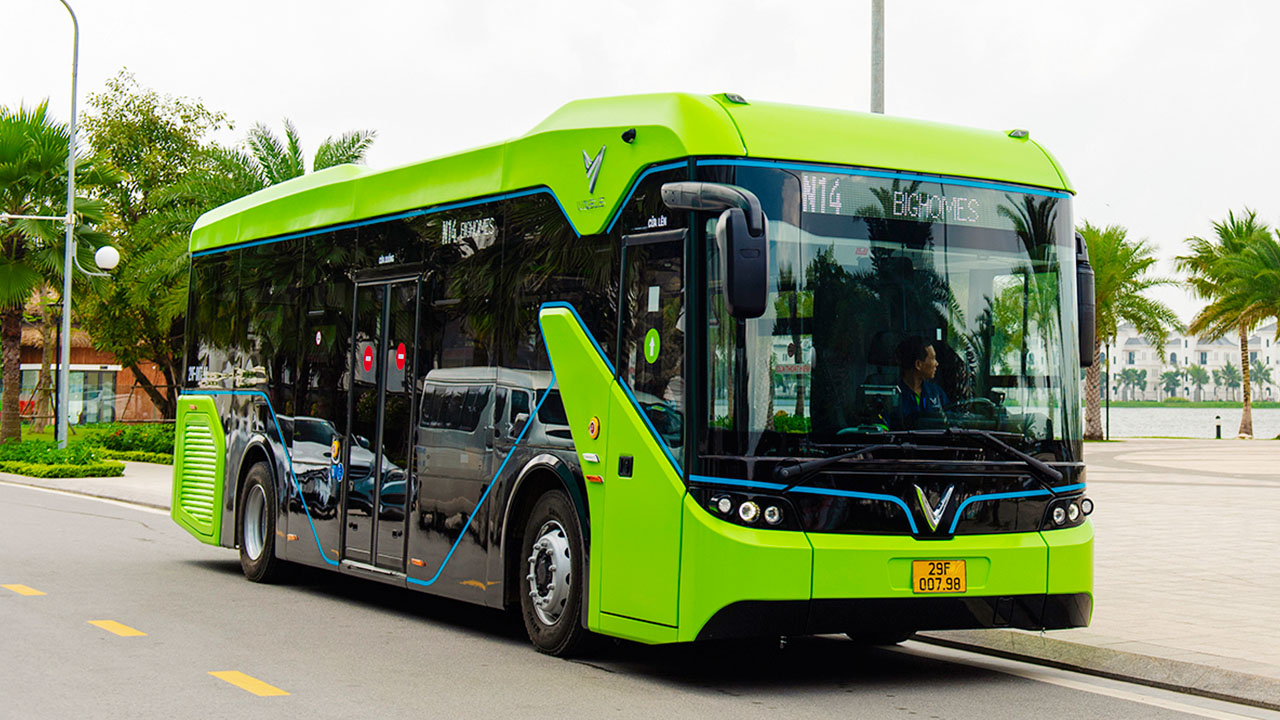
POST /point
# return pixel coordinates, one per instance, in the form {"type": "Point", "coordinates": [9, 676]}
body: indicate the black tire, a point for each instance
{"type": "Point", "coordinates": [554, 620]}
{"type": "Point", "coordinates": [880, 637]}
{"type": "Point", "coordinates": [256, 526]}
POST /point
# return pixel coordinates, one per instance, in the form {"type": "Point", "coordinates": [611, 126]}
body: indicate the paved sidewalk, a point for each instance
{"type": "Point", "coordinates": [1186, 570]}
{"type": "Point", "coordinates": [1187, 566]}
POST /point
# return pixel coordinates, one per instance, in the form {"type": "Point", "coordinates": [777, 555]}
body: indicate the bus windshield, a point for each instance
{"type": "Point", "coordinates": [897, 304]}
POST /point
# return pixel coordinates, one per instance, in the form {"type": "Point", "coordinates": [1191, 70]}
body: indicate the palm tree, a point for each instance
{"type": "Point", "coordinates": [1217, 382]}
{"type": "Point", "coordinates": [1198, 377]}
{"type": "Point", "coordinates": [224, 175]}
{"type": "Point", "coordinates": [1121, 280]}
{"type": "Point", "coordinates": [1230, 378]}
{"type": "Point", "coordinates": [1220, 271]}
{"type": "Point", "coordinates": [33, 181]}
{"type": "Point", "coordinates": [1261, 375]}
{"type": "Point", "coordinates": [1170, 380]}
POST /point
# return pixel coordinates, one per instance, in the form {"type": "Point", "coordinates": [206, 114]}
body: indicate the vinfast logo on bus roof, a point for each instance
{"type": "Point", "coordinates": [593, 168]}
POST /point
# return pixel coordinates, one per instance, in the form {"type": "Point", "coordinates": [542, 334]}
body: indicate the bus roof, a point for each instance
{"type": "Point", "coordinates": [558, 154]}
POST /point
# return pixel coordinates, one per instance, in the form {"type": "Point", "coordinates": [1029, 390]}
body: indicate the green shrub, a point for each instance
{"type": "Point", "coordinates": [136, 456]}
{"type": "Point", "coordinates": [147, 438]}
{"type": "Point", "coordinates": [43, 452]}
{"type": "Point", "coordinates": [106, 468]}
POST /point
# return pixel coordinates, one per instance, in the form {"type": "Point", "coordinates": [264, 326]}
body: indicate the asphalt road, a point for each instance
{"type": "Point", "coordinates": [330, 646]}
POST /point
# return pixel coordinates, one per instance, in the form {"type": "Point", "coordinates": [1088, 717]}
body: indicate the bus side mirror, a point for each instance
{"type": "Point", "coordinates": [744, 265]}
{"type": "Point", "coordinates": [742, 236]}
{"type": "Point", "coordinates": [1085, 309]}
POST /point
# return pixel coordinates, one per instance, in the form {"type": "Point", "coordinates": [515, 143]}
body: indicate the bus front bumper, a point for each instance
{"type": "Point", "coordinates": [738, 582]}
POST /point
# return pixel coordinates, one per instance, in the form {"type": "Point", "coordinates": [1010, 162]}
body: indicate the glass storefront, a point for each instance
{"type": "Point", "coordinates": [92, 399]}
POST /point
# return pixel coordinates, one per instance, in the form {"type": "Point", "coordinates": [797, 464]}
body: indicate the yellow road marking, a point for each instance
{"type": "Point", "coordinates": [22, 589]}
{"type": "Point", "coordinates": [114, 627]}
{"type": "Point", "coordinates": [245, 682]}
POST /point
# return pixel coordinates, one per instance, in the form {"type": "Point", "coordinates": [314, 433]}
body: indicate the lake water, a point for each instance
{"type": "Point", "coordinates": [1188, 422]}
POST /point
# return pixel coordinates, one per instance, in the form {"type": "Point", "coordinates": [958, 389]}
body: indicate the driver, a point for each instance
{"type": "Point", "coordinates": [917, 393]}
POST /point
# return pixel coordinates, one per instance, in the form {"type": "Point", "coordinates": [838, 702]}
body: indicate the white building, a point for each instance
{"type": "Point", "coordinates": [1131, 352]}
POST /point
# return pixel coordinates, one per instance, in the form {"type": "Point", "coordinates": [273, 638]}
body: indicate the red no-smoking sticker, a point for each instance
{"type": "Point", "coordinates": [400, 356]}
{"type": "Point", "coordinates": [368, 358]}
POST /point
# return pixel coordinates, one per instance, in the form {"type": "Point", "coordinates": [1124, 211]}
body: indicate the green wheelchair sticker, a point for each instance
{"type": "Point", "coordinates": [652, 344]}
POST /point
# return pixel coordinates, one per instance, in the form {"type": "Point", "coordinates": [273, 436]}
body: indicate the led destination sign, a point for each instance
{"type": "Point", "coordinates": [931, 202]}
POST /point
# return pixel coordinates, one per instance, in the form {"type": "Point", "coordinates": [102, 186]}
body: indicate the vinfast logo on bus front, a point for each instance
{"type": "Point", "coordinates": [933, 515]}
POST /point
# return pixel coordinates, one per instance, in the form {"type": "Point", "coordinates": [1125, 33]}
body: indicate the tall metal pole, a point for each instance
{"type": "Point", "coordinates": [877, 56]}
{"type": "Point", "coordinates": [64, 362]}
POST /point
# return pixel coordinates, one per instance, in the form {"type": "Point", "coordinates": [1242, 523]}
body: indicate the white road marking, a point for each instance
{"type": "Point", "coordinates": [109, 501]}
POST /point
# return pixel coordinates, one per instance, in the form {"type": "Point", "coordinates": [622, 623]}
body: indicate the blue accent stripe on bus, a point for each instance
{"type": "Point", "coordinates": [890, 174]}
{"type": "Point", "coordinates": [480, 503]}
{"type": "Point", "coordinates": [389, 218]}
{"type": "Point", "coordinates": [994, 496]}
{"type": "Point", "coordinates": [744, 483]}
{"type": "Point", "coordinates": [303, 502]}
{"type": "Point", "coordinates": [296, 486]}
{"type": "Point", "coordinates": [813, 491]}
{"type": "Point", "coordinates": [635, 403]}
{"type": "Point", "coordinates": [617, 214]}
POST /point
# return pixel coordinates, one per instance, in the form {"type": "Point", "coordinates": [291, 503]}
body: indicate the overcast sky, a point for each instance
{"type": "Point", "coordinates": [1163, 113]}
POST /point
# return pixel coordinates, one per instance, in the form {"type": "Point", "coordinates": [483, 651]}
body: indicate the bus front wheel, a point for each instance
{"type": "Point", "coordinates": [256, 526]}
{"type": "Point", "coordinates": [551, 576]}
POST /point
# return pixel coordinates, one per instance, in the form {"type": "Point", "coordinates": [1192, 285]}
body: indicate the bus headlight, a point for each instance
{"type": "Point", "coordinates": [1059, 515]}
{"type": "Point", "coordinates": [749, 512]}
{"type": "Point", "coordinates": [1086, 506]}
{"type": "Point", "coordinates": [1073, 512]}
{"type": "Point", "coordinates": [773, 514]}
{"type": "Point", "coordinates": [723, 503]}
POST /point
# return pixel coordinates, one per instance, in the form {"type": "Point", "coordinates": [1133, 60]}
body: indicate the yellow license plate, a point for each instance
{"type": "Point", "coordinates": [938, 576]}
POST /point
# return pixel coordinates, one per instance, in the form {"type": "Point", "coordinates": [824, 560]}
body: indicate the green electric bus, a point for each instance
{"type": "Point", "coordinates": [668, 367]}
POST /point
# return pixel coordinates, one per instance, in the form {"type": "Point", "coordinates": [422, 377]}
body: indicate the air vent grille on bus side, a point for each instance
{"type": "Point", "coordinates": [198, 469]}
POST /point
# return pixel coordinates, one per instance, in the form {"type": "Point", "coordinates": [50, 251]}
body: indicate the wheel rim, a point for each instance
{"type": "Point", "coordinates": [550, 575]}
{"type": "Point", "coordinates": [255, 522]}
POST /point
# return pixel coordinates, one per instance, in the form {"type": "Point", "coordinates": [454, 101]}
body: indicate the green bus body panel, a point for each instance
{"type": "Point", "coordinates": [668, 126]}
{"type": "Point", "coordinates": [1070, 559]}
{"type": "Point", "coordinates": [722, 563]}
{"type": "Point", "coordinates": [635, 521]}
{"type": "Point", "coordinates": [879, 566]}
{"type": "Point", "coordinates": [847, 138]}
{"type": "Point", "coordinates": [198, 461]}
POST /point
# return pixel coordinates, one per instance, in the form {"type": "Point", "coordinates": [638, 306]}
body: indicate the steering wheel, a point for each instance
{"type": "Point", "coordinates": [981, 406]}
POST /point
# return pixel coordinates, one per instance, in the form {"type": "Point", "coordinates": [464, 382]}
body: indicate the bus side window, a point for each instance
{"type": "Point", "coordinates": [499, 411]}
{"type": "Point", "coordinates": [519, 406]}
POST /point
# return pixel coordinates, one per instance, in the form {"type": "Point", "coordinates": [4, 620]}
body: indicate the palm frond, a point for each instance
{"type": "Point", "coordinates": [350, 147]}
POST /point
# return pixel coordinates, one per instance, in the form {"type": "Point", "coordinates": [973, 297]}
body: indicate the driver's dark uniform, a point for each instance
{"type": "Point", "coordinates": [931, 398]}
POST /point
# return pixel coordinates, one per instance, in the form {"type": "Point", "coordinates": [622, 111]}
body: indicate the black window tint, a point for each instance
{"type": "Point", "coordinates": [552, 410]}
{"type": "Point", "coordinates": [213, 320]}
{"type": "Point", "coordinates": [545, 261]}
{"type": "Point", "coordinates": [519, 403]}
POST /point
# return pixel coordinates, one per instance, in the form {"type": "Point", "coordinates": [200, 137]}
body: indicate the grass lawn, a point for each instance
{"type": "Point", "coordinates": [75, 433]}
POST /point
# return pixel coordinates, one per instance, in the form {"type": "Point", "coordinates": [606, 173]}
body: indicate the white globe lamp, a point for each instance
{"type": "Point", "coordinates": [107, 257]}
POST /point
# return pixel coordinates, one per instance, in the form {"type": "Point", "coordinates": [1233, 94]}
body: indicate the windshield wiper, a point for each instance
{"type": "Point", "coordinates": [1041, 467]}
{"type": "Point", "coordinates": [793, 475]}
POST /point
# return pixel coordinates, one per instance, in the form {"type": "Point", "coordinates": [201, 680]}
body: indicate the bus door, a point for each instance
{"type": "Point", "coordinates": [642, 549]}
{"type": "Point", "coordinates": [377, 446]}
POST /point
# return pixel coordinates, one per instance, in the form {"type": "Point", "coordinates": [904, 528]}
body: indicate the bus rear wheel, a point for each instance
{"type": "Point", "coordinates": [256, 526]}
{"type": "Point", "coordinates": [551, 576]}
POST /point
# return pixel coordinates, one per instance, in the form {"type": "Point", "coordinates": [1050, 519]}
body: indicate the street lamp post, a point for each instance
{"type": "Point", "coordinates": [877, 56]}
{"type": "Point", "coordinates": [69, 249]}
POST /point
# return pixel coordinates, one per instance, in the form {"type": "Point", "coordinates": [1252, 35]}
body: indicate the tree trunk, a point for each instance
{"type": "Point", "coordinates": [1246, 417]}
{"type": "Point", "coordinates": [11, 342]}
{"type": "Point", "coordinates": [41, 401]}
{"type": "Point", "coordinates": [163, 401]}
{"type": "Point", "coordinates": [1093, 395]}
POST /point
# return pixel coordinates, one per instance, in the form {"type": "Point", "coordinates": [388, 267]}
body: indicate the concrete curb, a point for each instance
{"type": "Point", "coordinates": [1165, 673]}
{"type": "Point", "coordinates": [102, 488]}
